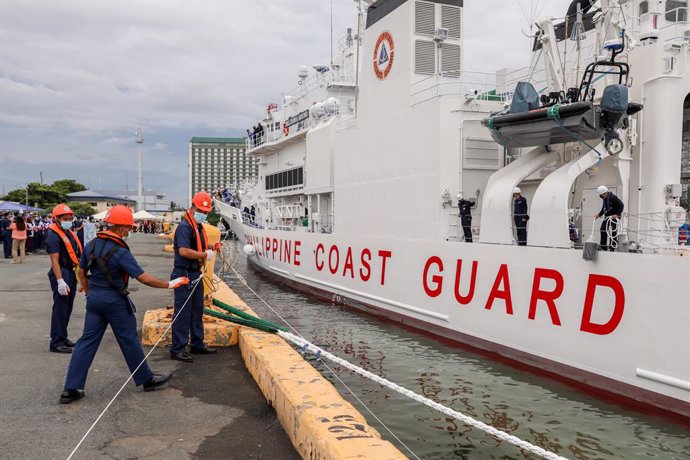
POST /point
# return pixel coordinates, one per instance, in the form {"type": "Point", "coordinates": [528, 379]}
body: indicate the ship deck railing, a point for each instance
{"type": "Point", "coordinates": [651, 233]}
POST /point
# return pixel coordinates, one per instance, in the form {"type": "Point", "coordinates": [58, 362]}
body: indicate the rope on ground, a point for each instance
{"type": "Point", "coordinates": [305, 345]}
{"type": "Point", "coordinates": [196, 283]}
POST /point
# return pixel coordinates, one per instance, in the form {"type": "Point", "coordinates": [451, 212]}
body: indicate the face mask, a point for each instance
{"type": "Point", "coordinates": [199, 217]}
{"type": "Point", "coordinates": [66, 225]}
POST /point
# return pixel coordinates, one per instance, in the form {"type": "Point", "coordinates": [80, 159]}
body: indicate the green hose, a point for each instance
{"type": "Point", "coordinates": [247, 316]}
{"type": "Point", "coordinates": [261, 326]}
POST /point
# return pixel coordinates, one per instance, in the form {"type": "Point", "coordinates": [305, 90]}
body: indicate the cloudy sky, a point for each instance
{"type": "Point", "coordinates": [77, 77]}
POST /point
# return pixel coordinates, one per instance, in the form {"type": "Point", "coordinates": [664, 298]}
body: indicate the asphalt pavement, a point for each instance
{"type": "Point", "coordinates": [211, 409]}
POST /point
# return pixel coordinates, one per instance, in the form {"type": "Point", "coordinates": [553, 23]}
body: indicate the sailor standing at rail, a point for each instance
{"type": "Point", "coordinates": [191, 250]}
{"type": "Point", "coordinates": [465, 207]}
{"type": "Point", "coordinates": [64, 248]}
{"type": "Point", "coordinates": [110, 263]}
{"type": "Point", "coordinates": [520, 216]}
{"type": "Point", "coordinates": [612, 208]}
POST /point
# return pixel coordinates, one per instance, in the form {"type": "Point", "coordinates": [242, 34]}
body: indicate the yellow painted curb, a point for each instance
{"type": "Point", "coordinates": [320, 423]}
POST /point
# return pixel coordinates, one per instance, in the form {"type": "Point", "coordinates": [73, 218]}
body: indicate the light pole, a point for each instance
{"type": "Point", "coordinates": [140, 173]}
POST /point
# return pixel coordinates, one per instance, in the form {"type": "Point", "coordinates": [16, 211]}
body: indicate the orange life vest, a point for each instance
{"type": "Point", "coordinates": [73, 255]}
{"type": "Point", "coordinates": [189, 217]}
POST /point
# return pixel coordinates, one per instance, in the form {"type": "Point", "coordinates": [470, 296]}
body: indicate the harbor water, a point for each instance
{"type": "Point", "coordinates": [541, 410]}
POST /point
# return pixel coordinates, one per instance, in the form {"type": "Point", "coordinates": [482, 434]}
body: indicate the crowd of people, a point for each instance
{"type": "Point", "coordinates": [25, 234]}
{"type": "Point", "coordinates": [256, 135]}
{"type": "Point", "coordinates": [22, 235]}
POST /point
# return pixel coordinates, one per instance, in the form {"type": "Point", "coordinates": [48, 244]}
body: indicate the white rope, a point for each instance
{"type": "Point", "coordinates": [524, 445]}
{"type": "Point", "coordinates": [305, 345]}
{"type": "Point", "coordinates": [196, 283]}
{"type": "Point", "coordinates": [243, 281]}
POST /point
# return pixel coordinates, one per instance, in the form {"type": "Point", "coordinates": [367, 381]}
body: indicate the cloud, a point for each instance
{"type": "Point", "coordinates": [77, 77]}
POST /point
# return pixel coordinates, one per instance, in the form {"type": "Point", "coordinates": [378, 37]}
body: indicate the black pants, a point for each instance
{"type": "Point", "coordinates": [521, 229]}
{"type": "Point", "coordinates": [606, 243]}
{"type": "Point", "coordinates": [7, 243]}
{"type": "Point", "coordinates": [466, 222]}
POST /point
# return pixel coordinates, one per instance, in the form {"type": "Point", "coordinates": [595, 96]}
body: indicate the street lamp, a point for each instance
{"type": "Point", "coordinates": [140, 173]}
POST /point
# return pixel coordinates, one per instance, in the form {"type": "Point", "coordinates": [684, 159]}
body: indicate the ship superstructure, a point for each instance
{"type": "Point", "coordinates": [360, 166]}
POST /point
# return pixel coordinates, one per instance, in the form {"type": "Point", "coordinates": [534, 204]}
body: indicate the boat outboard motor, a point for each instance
{"type": "Point", "coordinates": [614, 105]}
{"type": "Point", "coordinates": [525, 98]}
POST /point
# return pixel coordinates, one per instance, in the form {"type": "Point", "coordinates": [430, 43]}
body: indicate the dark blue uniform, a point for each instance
{"type": "Point", "coordinates": [466, 218]}
{"type": "Point", "coordinates": [520, 218]}
{"type": "Point", "coordinates": [62, 305]}
{"type": "Point", "coordinates": [106, 305]}
{"type": "Point", "coordinates": [6, 237]}
{"type": "Point", "coordinates": [611, 206]}
{"type": "Point", "coordinates": [190, 320]}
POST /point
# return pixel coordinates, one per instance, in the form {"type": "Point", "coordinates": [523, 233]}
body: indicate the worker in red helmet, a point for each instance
{"type": "Point", "coordinates": [106, 267]}
{"type": "Point", "coordinates": [192, 251]}
{"type": "Point", "coordinates": [64, 248]}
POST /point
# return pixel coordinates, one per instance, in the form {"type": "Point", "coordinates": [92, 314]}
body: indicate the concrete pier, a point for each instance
{"type": "Point", "coordinates": [211, 408]}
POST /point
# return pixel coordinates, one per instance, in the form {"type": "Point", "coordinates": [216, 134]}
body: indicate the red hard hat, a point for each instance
{"type": "Point", "coordinates": [119, 215]}
{"type": "Point", "coordinates": [62, 210]}
{"type": "Point", "coordinates": [203, 202]}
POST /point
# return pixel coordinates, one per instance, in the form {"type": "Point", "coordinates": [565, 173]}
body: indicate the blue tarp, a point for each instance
{"type": "Point", "coordinates": [16, 207]}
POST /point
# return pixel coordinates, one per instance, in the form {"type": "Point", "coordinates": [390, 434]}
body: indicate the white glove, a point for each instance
{"type": "Point", "coordinates": [63, 289]}
{"type": "Point", "coordinates": [177, 282]}
{"type": "Point", "coordinates": [210, 255]}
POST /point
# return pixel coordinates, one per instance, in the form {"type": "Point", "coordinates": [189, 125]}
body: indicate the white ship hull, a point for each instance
{"type": "Point", "coordinates": [610, 325]}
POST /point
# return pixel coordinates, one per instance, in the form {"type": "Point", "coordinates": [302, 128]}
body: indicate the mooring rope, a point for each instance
{"type": "Point", "coordinates": [305, 345]}
{"type": "Point", "coordinates": [196, 284]}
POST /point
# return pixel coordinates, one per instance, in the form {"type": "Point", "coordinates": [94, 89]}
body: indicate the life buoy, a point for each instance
{"type": "Point", "coordinates": [286, 130]}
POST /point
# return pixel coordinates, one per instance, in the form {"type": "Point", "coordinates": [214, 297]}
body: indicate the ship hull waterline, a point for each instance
{"type": "Point", "coordinates": [605, 325]}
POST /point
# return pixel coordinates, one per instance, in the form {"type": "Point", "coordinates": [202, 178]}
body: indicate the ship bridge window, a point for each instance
{"type": "Point", "coordinates": [677, 10]}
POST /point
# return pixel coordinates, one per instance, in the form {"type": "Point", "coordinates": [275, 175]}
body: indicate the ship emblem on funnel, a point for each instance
{"type": "Point", "coordinates": [384, 55]}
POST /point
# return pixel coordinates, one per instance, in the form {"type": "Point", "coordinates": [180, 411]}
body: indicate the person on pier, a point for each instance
{"type": "Point", "coordinates": [191, 253]}
{"type": "Point", "coordinates": [105, 269]}
{"type": "Point", "coordinates": [64, 248]}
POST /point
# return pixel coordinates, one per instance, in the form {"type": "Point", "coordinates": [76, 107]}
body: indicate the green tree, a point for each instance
{"type": "Point", "coordinates": [68, 186]}
{"type": "Point", "coordinates": [43, 195]}
{"type": "Point", "coordinates": [82, 209]}
{"type": "Point", "coordinates": [40, 195]}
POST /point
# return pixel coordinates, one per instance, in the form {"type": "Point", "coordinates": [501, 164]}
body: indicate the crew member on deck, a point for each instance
{"type": "Point", "coordinates": [465, 207]}
{"type": "Point", "coordinates": [520, 216]}
{"type": "Point", "coordinates": [64, 249]}
{"type": "Point", "coordinates": [191, 254]}
{"type": "Point", "coordinates": [612, 208]}
{"type": "Point", "coordinates": [110, 263]}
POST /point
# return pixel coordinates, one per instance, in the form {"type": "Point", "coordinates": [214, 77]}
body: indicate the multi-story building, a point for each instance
{"type": "Point", "coordinates": [216, 163]}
